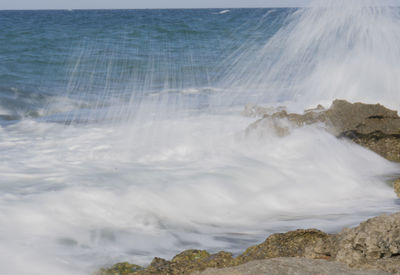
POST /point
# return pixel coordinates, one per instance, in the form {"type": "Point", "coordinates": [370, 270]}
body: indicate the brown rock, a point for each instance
{"type": "Point", "coordinates": [184, 263]}
{"type": "Point", "coordinates": [292, 266]}
{"type": "Point", "coordinates": [373, 244]}
{"type": "Point", "coordinates": [120, 269]}
{"type": "Point", "coordinates": [190, 255]}
{"type": "Point", "coordinates": [362, 118]}
{"type": "Point", "coordinates": [309, 243]}
{"type": "Point", "coordinates": [370, 125]}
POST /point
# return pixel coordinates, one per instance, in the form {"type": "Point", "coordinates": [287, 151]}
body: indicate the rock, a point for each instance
{"type": "Point", "coordinates": [292, 266]}
{"type": "Point", "coordinates": [157, 266]}
{"type": "Point", "coordinates": [373, 244]}
{"type": "Point", "coordinates": [362, 118]}
{"type": "Point", "coordinates": [319, 108]}
{"type": "Point", "coordinates": [120, 269]}
{"type": "Point", "coordinates": [309, 243]}
{"type": "Point", "coordinates": [252, 110]}
{"type": "Point", "coordinates": [220, 260]}
{"type": "Point", "coordinates": [370, 125]}
{"type": "Point", "coordinates": [386, 146]}
{"type": "Point", "coordinates": [396, 186]}
{"type": "Point", "coordinates": [184, 263]}
{"type": "Point", "coordinates": [190, 255]}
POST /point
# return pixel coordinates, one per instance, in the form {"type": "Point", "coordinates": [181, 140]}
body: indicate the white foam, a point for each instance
{"type": "Point", "coordinates": [334, 49]}
{"type": "Point", "coordinates": [224, 11]}
{"type": "Point", "coordinates": [75, 198]}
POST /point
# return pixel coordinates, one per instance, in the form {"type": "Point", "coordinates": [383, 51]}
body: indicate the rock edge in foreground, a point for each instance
{"type": "Point", "coordinates": [374, 244]}
{"type": "Point", "coordinates": [292, 266]}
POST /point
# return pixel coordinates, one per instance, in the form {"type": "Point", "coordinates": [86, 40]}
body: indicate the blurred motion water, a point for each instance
{"type": "Point", "coordinates": [121, 137]}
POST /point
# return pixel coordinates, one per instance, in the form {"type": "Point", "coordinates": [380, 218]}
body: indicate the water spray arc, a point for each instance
{"type": "Point", "coordinates": [333, 49]}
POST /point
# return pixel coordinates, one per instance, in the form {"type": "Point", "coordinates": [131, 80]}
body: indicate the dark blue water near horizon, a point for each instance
{"type": "Point", "coordinates": [96, 55]}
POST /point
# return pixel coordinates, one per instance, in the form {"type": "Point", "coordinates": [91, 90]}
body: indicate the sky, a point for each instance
{"type": "Point", "coordinates": [143, 4]}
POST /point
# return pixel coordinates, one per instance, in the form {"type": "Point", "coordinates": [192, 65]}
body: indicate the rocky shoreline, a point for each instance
{"type": "Point", "coordinates": [370, 125]}
{"type": "Point", "coordinates": [373, 247]}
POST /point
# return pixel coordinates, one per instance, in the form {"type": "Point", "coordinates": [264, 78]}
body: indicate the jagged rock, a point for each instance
{"type": "Point", "coordinates": [190, 255]}
{"type": "Point", "coordinates": [184, 263]}
{"type": "Point", "coordinates": [373, 244]}
{"type": "Point", "coordinates": [120, 269]}
{"type": "Point", "coordinates": [309, 243]}
{"type": "Point", "coordinates": [292, 266]}
{"type": "Point", "coordinates": [220, 260]}
{"type": "Point", "coordinates": [364, 118]}
{"type": "Point", "coordinates": [370, 125]}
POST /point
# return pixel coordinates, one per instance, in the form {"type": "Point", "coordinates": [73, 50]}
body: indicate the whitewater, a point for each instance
{"type": "Point", "coordinates": [123, 139]}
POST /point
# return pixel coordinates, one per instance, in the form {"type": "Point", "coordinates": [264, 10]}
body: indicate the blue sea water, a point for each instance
{"type": "Point", "coordinates": [122, 139]}
{"type": "Point", "coordinates": [94, 55]}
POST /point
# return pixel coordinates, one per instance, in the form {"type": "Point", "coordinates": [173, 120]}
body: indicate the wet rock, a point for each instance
{"type": "Point", "coordinates": [370, 125]}
{"type": "Point", "coordinates": [362, 118]}
{"type": "Point", "coordinates": [157, 266]}
{"type": "Point", "coordinates": [184, 263]}
{"type": "Point", "coordinates": [309, 243]}
{"type": "Point", "coordinates": [292, 266]}
{"type": "Point", "coordinates": [220, 260]}
{"type": "Point", "coordinates": [396, 186]}
{"type": "Point", "coordinates": [252, 110]}
{"type": "Point", "coordinates": [120, 269]}
{"type": "Point", "coordinates": [373, 244]}
{"type": "Point", "coordinates": [190, 255]}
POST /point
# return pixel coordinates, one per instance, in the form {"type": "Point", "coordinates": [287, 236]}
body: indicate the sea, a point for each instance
{"type": "Point", "coordinates": [122, 134]}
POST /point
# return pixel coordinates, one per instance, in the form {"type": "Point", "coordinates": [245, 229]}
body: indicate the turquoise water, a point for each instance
{"type": "Point", "coordinates": [122, 139]}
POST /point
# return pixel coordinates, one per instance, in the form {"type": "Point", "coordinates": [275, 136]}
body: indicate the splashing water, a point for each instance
{"type": "Point", "coordinates": [161, 163]}
{"type": "Point", "coordinates": [334, 49]}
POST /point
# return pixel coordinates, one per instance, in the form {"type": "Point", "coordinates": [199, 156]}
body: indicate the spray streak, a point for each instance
{"type": "Point", "coordinates": [334, 49]}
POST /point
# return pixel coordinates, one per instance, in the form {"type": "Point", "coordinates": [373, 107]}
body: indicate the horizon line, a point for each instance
{"type": "Point", "coordinates": [88, 9]}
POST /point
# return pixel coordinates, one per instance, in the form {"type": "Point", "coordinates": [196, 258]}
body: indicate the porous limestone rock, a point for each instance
{"type": "Point", "coordinates": [182, 264]}
{"type": "Point", "coordinates": [373, 244]}
{"type": "Point", "coordinates": [120, 269]}
{"type": "Point", "coordinates": [370, 125]}
{"type": "Point", "coordinates": [309, 243]}
{"type": "Point", "coordinates": [292, 266]}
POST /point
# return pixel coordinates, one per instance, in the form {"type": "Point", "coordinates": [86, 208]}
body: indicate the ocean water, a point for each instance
{"type": "Point", "coordinates": [122, 139]}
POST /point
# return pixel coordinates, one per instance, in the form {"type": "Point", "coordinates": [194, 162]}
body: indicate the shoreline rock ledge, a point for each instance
{"type": "Point", "coordinates": [373, 247]}
{"type": "Point", "coordinates": [370, 125]}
